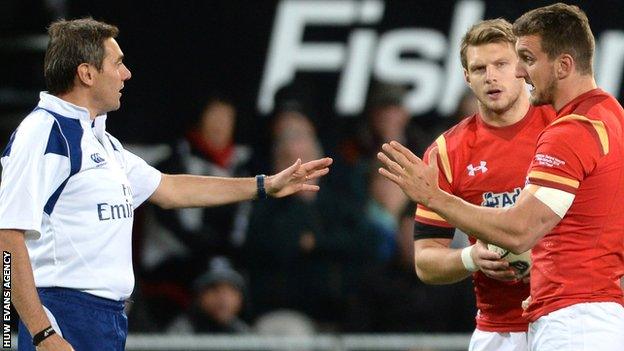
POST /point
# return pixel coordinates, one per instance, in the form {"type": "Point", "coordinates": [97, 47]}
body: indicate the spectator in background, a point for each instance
{"type": "Point", "coordinates": [392, 299]}
{"type": "Point", "coordinates": [306, 257]}
{"type": "Point", "coordinates": [384, 212]}
{"type": "Point", "coordinates": [217, 304]}
{"type": "Point", "coordinates": [180, 243]}
{"type": "Point", "coordinates": [385, 118]}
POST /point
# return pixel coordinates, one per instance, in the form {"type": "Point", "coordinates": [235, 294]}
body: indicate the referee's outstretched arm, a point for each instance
{"type": "Point", "coordinates": [185, 190]}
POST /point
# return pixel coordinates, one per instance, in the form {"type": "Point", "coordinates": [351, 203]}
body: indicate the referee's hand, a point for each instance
{"type": "Point", "coordinates": [54, 343]}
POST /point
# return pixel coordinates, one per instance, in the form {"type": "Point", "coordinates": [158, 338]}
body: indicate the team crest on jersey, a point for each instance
{"type": "Point", "coordinates": [473, 170]}
{"type": "Point", "coordinates": [504, 199]}
{"type": "Point", "coordinates": [97, 158]}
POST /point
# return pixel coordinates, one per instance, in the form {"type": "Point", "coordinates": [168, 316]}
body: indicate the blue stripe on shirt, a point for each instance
{"type": "Point", "coordinates": [71, 131]}
{"type": "Point", "coordinates": [57, 144]}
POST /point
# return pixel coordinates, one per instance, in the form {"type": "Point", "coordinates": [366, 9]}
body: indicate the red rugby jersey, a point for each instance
{"type": "Point", "coordinates": [582, 258]}
{"type": "Point", "coordinates": [487, 166]}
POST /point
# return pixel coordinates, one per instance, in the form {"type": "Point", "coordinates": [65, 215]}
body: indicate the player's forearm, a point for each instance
{"type": "Point", "coordinates": [24, 297]}
{"type": "Point", "coordinates": [504, 227]}
{"type": "Point", "coordinates": [440, 265]}
{"type": "Point", "coordinates": [176, 191]}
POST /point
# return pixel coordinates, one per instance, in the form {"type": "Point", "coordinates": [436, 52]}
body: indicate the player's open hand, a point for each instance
{"type": "Point", "coordinates": [490, 263]}
{"type": "Point", "coordinates": [296, 177]}
{"type": "Point", "coordinates": [418, 180]}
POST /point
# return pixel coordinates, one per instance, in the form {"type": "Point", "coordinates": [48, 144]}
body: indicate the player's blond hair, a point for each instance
{"type": "Point", "coordinates": [485, 32]}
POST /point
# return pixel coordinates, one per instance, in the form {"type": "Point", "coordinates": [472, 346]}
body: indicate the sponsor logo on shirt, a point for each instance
{"type": "Point", "coordinates": [504, 199]}
{"type": "Point", "coordinates": [548, 161]}
{"type": "Point", "coordinates": [97, 158]}
{"type": "Point", "coordinates": [472, 170]}
{"type": "Point", "coordinates": [107, 212]}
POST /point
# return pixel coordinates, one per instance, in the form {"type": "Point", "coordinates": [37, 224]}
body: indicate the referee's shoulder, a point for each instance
{"type": "Point", "coordinates": [36, 126]}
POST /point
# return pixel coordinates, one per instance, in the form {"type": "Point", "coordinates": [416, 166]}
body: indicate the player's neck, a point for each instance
{"type": "Point", "coordinates": [569, 89]}
{"type": "Point", "coordinates": [511, 116]}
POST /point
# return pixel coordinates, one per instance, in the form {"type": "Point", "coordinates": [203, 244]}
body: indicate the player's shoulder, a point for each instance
{"type": "Point", "coordinates": [459, 134]}
{"type": "Point", "coordinates": [458, 131]}
{"type": "Point", "coordinates": [596, 105]}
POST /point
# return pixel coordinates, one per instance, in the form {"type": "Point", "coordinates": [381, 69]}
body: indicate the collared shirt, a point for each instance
{"type": "Point", "coordinates": [73, 189]}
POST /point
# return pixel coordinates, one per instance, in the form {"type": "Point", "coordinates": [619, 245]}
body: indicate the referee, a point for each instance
{"type": "Point", "coordinates": [69, 190]}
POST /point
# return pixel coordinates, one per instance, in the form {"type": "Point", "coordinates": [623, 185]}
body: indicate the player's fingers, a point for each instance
{"type": "Point", "coordinates": [398, 157]}
{"type": "Point", "coordinates": [501, 275]}
{"type": "Point", "coordinates": [405, 151]}
{"type": "Point", "coordinates": [391, 165]}
{"type": "Point", "coordinates": [498, 265]}
{"type": "Point", "coordinates": [485, 254]}
{"type": "Point", "coordinates": [390, 176]}
{"type": "Point", "coordinates": [526, 303]}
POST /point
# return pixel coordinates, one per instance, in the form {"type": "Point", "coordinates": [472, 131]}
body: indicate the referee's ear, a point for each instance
{"type": "Point", "coordinates": [85, 75]}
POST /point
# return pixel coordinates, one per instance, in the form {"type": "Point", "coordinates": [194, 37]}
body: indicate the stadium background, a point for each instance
{"type": "Point", "coordinates": [180, 51]}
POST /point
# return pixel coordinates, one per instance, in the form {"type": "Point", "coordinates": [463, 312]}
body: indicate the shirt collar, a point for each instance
{"type": "Point", "coordinates": [69, 110]}
{"type": "Point", "coordinates": [574, 103]}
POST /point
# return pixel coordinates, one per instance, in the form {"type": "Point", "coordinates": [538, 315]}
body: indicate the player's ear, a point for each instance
{"type": "Point", "coordinates": [564, 65]}
{"type": "Point", "coordinates": [467, 77]}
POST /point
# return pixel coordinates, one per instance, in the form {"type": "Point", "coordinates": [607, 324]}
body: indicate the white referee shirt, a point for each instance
{"type": "Point", "coordinates": [73, 188]}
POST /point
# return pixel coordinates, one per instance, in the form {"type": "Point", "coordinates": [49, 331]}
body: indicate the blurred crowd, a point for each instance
{"type": "Point", "coordinates": [340, 260]}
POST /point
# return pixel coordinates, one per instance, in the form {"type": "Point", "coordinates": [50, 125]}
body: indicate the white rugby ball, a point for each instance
{"type": "Point", "coordinates": [521, 263]}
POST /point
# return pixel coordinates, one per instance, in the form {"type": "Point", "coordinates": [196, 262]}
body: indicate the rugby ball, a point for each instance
{"type": "Point", "coordinates": [521, 263]}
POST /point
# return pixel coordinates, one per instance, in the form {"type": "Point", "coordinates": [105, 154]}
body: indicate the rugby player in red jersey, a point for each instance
{"type": "Point", "coordinates": [571, 212]}
{"type": "Point", "coordinates": [484, 160]}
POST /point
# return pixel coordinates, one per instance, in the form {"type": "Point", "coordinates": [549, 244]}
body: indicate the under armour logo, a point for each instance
{"type": "Point", "coordinates": [97, 158]}
{"type": "Point", "coordinates": [472, 170]}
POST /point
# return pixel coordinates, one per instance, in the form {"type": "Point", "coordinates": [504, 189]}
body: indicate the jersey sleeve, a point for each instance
{"type": "Point", "coordinates": [428, 223]}
{"type": "Point", "coordinates": [35, 165]}
{"type": "Point", "coordinates": [567, 151]}
{"type": "Point", "coordinates": [144, 179]}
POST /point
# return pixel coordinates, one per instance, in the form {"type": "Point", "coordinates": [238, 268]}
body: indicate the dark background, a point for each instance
{"type": "Point", "coordinates": [179, 51]}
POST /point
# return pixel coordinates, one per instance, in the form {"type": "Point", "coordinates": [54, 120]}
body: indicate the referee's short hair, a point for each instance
{"type": "Point", "coordinates": [72, 43]}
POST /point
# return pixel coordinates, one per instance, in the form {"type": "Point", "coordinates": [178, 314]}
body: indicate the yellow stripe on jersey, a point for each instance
{"type": "Point", "coordinates": [429, 215]}
{"type": "Point", "coordinates": [599, 126]}
{"type": "Point", "coordinates": [554, 178]}
{"type": "Point", "coordinates": [446, 164]}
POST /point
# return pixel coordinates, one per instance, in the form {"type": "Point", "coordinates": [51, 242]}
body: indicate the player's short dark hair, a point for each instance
{"type": "Point", "coordinates": [496, 30]}
{"type": "Point", "coordinates": [72, 43]}
{"type": "Point", "coordinates": [563, 29]}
